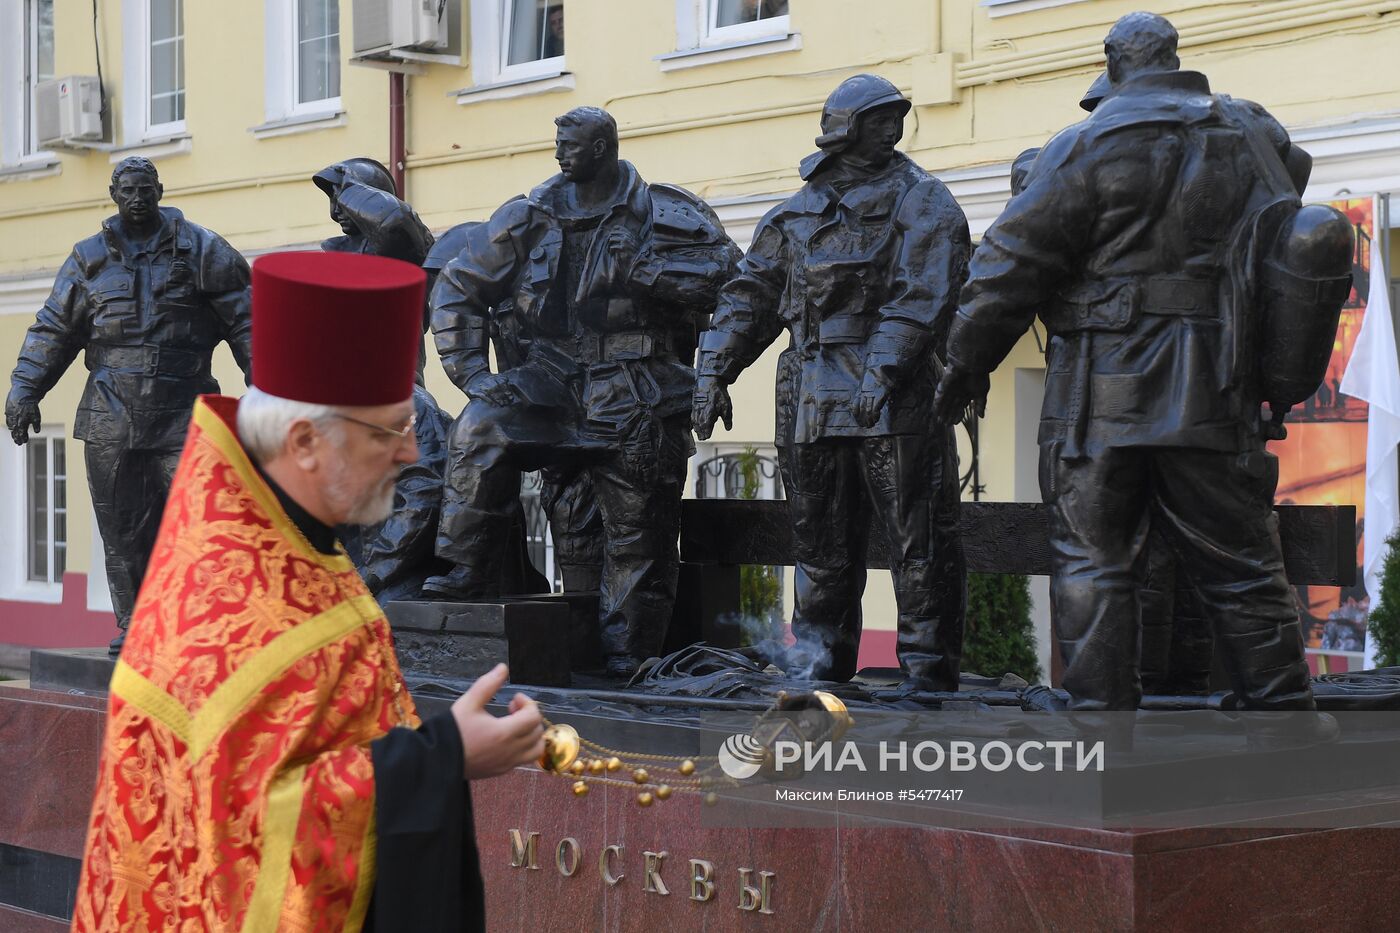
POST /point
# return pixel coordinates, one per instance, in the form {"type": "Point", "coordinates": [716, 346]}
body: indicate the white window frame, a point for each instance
{"type": "Point", "coordinates": [30, 39]}
{"type": "Point", "coordinates": [49, 438]}
{"type": "Point", "coordinates": [298, 107]}
{"type": "Point", "coordinates": [696, 26]}
{"type": "Point", "coordinates": [136, 71]}
{"type": "Point", "coordinates": [490, 41]}
{"type": "Point", "coordinates": [999, 8]}
{"type": "Point", "coordinates": [169, 127]}
{"type": "Point", "coordinates": [281, 74]}
{"type": "Point", "coordinates": [714, 34]}
{"type": "Point", "coordinates": [19, 144]}
{"type": "Point", "coordinates": [699, 42]}
{"type": "Point", "coordinates": [14, 530]}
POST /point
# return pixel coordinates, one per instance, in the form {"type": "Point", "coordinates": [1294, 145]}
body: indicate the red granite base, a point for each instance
{"type": "Point", "coordinates": [841, 873]}
{"type": "Point", "coordinates": [22, 921]}
{"type": "Point", "coordinates": [49, 743]}
{"type": "Point", "coordinates": [853, 875]}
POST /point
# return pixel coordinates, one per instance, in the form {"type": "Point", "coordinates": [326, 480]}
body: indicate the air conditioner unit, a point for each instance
{"type": "Point", "coordinates": [382, 26]}
{"type": "Point", "coordinates": [419, 24]}
{"type": "Point", "coordinates": [68, 111]}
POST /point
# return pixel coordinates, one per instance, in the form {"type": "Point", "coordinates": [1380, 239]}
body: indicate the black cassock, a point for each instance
{"type": "Point", "coordinates": [429, 878]}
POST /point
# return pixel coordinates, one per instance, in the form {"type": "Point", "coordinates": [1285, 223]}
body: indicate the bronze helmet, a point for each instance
{"type": "Point", "coordinates": [364, 170]}
{"type": "Point", "coordinates": [851, 98]}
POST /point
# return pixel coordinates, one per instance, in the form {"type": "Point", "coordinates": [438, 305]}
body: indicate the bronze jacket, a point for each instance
{"type": "Point", "coordinates": [149, 323]}
{"type": "Point", "coordinates": [626, 335]}
{"type": "Point", "coordinates": [865, 273]}
{"type": "Point", "coordinates": [1133, 239]}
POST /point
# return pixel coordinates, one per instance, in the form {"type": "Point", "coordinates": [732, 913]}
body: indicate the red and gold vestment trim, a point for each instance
{"type": "Point", "coordinates": [236, 789]}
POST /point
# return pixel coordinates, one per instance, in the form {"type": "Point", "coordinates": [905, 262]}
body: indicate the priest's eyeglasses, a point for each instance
{"type": "Point", "coordinates": [399, 433]}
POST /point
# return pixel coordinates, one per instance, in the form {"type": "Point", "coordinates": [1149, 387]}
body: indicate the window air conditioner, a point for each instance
{"type": "Point", "coordinates": [68, 111]}
{"type": "Point", "coordinates": [420, 24]}
{"type": "Point", "coordinates": [384, 25]}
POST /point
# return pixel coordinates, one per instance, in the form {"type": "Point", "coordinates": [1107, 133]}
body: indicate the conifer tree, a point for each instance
{"type": "Point", "coordinates": [999, 637]}
{"type": "Point", "coordinates": [1383, 621]}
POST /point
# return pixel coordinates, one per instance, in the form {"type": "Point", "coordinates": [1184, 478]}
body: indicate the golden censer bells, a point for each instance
{"type": "Point", "coordinates": [813, 718]}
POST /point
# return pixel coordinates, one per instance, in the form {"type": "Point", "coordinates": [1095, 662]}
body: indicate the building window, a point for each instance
{"type": "Point", "coordinates": [46, 508]}
{"type": "Point", "coordinates": [999, 8]}
{"type": "Point", "coordinates": [26, 58]}
{"type": "Point", "coordinates": [317, 42]}
{"type": "Point", "coordinates": [34, 517]}
{"type": "Point", "coordinates": [748, 16]}
{"type": "Point", "coordinates": [533, 31]}
{"type": "Point", "coordinates": [710, 31]}
{"type": "Point", "coordinates": [301, 58]}
{"type": "Point", "coordinates": [165, 75]}
{"type": "Point", "coordinates": [38, 63]}
{"type": "Point", "coordinates": [726, 21]}
{"type": "Point", "coordinates": [516, 40]}
{"type": "Point", "coordinates": [153, 71]}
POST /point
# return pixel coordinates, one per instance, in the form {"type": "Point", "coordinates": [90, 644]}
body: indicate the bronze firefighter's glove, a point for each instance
{"type": "Point", "coordinates": [710, 404]}
{"type": "Point", "coordinates": [956, 391]}
{"type": "Point", "coordinates": [21, 415]}
{"type": "Point", "coordinates": [870, 399]}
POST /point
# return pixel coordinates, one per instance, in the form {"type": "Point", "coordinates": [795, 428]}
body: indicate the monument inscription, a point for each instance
{"type": "Point", "coordinates": [755, 887]}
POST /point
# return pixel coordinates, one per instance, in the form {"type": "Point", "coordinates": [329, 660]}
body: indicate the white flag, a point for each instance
{"type": "Point", "coordinates": [1373, 375]}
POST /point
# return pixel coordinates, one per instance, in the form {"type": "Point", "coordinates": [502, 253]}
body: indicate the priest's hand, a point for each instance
{"type": "Point", "coordinates": [493, 745]}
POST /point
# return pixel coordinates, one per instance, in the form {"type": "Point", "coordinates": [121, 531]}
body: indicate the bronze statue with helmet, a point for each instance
{"type": "Point", "coordinates": [862, 267]}
{"type": "Point", "coordinates": [395, 556]}
{"type": "Point", "coordinates": [1164, 245]}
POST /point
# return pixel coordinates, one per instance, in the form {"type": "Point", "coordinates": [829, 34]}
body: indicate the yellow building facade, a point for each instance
{"type": "Point", "coordinates": [240, 103]}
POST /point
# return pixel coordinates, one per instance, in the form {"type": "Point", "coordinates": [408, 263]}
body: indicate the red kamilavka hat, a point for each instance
{"type": "Point", "coordinates": [336, 328]}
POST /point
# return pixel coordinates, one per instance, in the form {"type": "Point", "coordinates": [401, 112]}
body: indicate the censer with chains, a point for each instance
{"type": "Point", "coordinates": [809, 718]}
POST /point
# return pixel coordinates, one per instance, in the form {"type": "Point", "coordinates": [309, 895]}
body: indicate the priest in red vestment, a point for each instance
{"type": "Point", "coordinates": [264, 767]}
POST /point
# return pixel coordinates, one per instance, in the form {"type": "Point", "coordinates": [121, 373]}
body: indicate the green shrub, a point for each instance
{"type": "Point", "coordinates": [760, 591]}
{"type": "Point", "coordinates": [1383, 621]}
{"type": "Point", "coordinates": [999, 638]}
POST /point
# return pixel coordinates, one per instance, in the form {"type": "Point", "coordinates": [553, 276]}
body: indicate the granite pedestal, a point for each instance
{"type": "Point", "coordinates": [849, 869]}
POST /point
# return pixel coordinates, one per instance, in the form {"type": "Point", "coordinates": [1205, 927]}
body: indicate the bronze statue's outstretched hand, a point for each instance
{"type": "Point", "coordinates": [711, 404]}
{"type": "Point", "coordinates": [870, 400]}
{"type": "Point", "coordinates": [956, 391]}
{"type": "Point", "coordinates": [21, 416]}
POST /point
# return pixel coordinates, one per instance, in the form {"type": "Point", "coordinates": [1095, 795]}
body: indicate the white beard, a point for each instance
{"type": "Point", "coordinates": [372, 508]}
